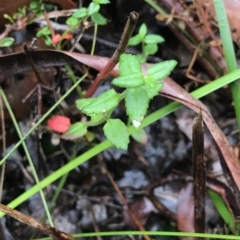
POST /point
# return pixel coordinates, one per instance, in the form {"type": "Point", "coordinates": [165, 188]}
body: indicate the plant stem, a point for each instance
{"type": "Point", "coordinates": [127, 33]}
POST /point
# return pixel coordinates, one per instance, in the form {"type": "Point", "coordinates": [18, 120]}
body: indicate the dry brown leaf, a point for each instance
{"type": "Point", "coordinates": [174, 91]}
{"type": "Point", "coordinates": [232, 9]}
{"type": "Point", "coordinates": [185, 211]}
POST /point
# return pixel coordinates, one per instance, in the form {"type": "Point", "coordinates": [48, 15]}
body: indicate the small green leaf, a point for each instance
{"type": "Point", "coordinates": [43, 32]}
{"type": "Point", "coordinates": [129, 81]}
{"type": "Point", "coordinates": [103, 1]}
{"type": "Point", "coordinates": [152, 89]}
{"type": "Point", "coordinates": [90, 136]}
{"type": "Point", "coordinates": [116, 132]}
{"type": "Point", "coordinates": [99, 19]}
{"type": "Point", "coordinates": [8, 17]}
{"type": "Point", "coordinates": [128, 65]}
{"type": "Point", "coordinates": [149, 79]}
{"type": "Point", "coordinates": [153, 38]}
{"type": "Point", "coordinates": [84, 102]}
{"type": "Point", "coordinates": [80, 13]}
{"type": "Point", "coordinates": [150, 49]}
{"type": "Point", "coordinates": [6, 42]}
{"type": "Point", "coordinates": [107, 101]}
{"type": "Point", "coordinates": [48, 41]}
{"type": "Point", "coordinates": [140, 136]}
{"type": "Point", "coordinates": [141, 58]}
{"type": "Point", "coordinates": [143, 30]}
{"type": "Point", "coordinates": [93, 8]}
{"type": "Point", "coordinates": [136, 103]}
{"type": "Point", "coordinates": [76, 130]}
{"type": "Point", "coordinates": [162, 69]}
{"type": "Point", "coordinates": [17, 15]}
{"type": "Point", "coordinates": [135, 40]}
{"type": "Point", "coordinates": [222, 208]}
{"type": "Point", "coordinates": [35, 6]}
{"type": "Point", "coordinates": [98, 118]}
{"type": "Point", "coordinates": [22, 10]}
{"type": "Point", "coordinates": [48, 6]}
{"type": "Point", "coordinates": [72, 21]}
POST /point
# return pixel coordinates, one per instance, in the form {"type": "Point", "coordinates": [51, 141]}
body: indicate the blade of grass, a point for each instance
{"type": "Point", "coordinates": [203, 91]}
{"type": "Point", "coordinates": [27, 155]}
{"type": "Point", "coordinates": [42, 119]}
{"type": "Point", "coordinates": [228, 49]}
{"type": "Point", "coordinates": [151, 233]}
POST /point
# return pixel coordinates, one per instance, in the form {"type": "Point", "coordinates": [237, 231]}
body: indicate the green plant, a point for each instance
{"type": "Point", "coordinates": [139, 91]}
{"type": "Point", "coordinates": [149, 42]}
{"type": "Point", "coordinates": [83, 13]}
{"type": "Point", "coordinates": [75, 20]}
{"type": "Point", "coordinates": [45, 32]}
{"type": "Point", "coordinates": [6, 42]}
{"type": "Point", "coordinates": [26, 14]}
{"type": "Point", "coordinates": [35, 8]}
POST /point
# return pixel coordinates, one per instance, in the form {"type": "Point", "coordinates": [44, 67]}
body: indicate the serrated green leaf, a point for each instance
{"type": "Point", "coordinates": [99, 19]}
{"type": "Point", "coordinates": [135, 40]}
{"type": "Point", "coordinates": [116, 132]}
{"type": "Point", "coordinates": [84, 102]}
{"type": "Point", "coordinates": [143, 30]}
{"type": "Point", "coordinates": [136, 103]}
{"type": "Point", "coordinates": [150, 49]}
{"type": "Point", "coordinates": [72, 21]}
{"type": "Point", "coordinates": [107, 101]}
{"type": "Point", "coordinates": [98, 118]}
{"type": "Point", "coordinates": [76, 130]}
{"type": "Point", "coordinates": [80, 13]}
{"type": "Point", "coordinates": [129, 81]}
{"type": "Point", "coordinates": [222, 208]}
{"type": "Point", "coordinates": [162, 69]}
{"type": "Point", "coordinates": [141, 58]}
{"type": "Point", "coordinates": [43, 32]}
{"type": "Point", "coordinates": [6, 42]}
{"type": "Point", "coordinates": [152, 89]}
{"type": "Point", "coordinates": [128, 65]}
{"type": "Point", "coordinates": [93, 8]}
{"type": "Point", "coordinates": [153, 39]}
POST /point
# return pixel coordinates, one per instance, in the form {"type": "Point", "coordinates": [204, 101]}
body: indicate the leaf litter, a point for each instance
{"type": "Point", "coordinates": [166, 149]}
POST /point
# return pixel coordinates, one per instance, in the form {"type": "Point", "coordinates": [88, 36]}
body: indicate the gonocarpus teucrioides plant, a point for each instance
{"type": "Point", "coordinates": [139, 90]}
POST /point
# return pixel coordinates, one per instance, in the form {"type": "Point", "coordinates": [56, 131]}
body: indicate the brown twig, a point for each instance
{"type": "Point", "coordinates": [127, 33]}
{"type": "Point", "coordinates": [54, 232]}
{"type": "Point", "coordinates": [197, 35]}
{"type": "Point", "coordinates": [3, 146]}
{"type": "Point", "coordinates": [123, 199]}
{"type": "Point", "coordinates": [49, 23]}
{"type": "Point", "coordinates": [199, 174]}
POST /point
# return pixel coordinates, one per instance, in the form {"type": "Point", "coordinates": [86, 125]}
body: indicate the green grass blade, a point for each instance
{"type": "Point", "coordinates": [27, 155]}
{"type": "Point", "coordinates": [150, 233]}
{"type": "Point", "coordinates": [228, 53]}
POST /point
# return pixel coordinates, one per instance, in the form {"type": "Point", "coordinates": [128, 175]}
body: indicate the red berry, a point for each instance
{"type": "Point", "coordinates": [59, 124]}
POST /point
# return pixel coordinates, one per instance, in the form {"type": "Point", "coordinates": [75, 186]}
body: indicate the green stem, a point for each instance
{"type": "Point", "coordinates": [151, 233]}
{"type": "Point", "coordinates": [27, 155]}
{"type": "Point", "coordinates": [42, 119]}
